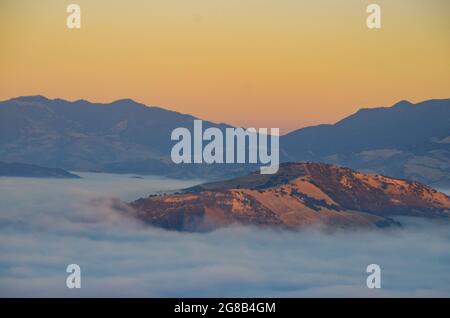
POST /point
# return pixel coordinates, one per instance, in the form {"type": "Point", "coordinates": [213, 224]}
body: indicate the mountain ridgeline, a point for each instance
{"type": "Point", "coordinates": [406, 140]}
{"type": "Point", "coordinates": [119, 137]}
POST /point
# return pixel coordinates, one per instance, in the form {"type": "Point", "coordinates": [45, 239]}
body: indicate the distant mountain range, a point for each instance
{"type": "Point", "coordinates": [300, 194]}
{"type": "Point", "coordinates": [120, 137]}
{"type": "Point", "coordinates": [406, 140]}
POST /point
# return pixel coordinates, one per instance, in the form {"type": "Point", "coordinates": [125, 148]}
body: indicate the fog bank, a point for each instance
{"type": "Point", "coordinates": [47, 224]}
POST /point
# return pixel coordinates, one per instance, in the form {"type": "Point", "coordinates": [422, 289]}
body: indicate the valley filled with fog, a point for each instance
{"type": "Point", "coordinates": [46, 224]}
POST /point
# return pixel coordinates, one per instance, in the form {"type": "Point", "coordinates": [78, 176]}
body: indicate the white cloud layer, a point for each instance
{"type": "Point", "coordinates": [47, 224]}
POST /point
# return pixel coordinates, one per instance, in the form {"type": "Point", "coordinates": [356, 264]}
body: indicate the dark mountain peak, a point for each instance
{"type": "Point", "coordinates": [77, 101]}
{"type": "Point", "coordinates": [396, 141]}
{"type": "Point", "coordinates": [126, 101]}
{"type": "Point", "coordinates": [429, 103]}
{"type": "Point", "coordinates": [403, 103]}
{"type": "Point", "coordinates": [31, 99]}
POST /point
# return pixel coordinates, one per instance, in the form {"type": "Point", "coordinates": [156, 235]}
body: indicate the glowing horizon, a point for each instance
{"type": "Point", "coordinates": [260, 63]}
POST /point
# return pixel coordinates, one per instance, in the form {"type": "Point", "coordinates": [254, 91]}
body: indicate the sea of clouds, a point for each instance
{"type": "Point", "coordinates": [47, 224]}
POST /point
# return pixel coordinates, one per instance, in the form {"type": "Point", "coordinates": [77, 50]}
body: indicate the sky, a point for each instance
{"type": "Point", "coordinates": [262, 63]}
{"type": "Point", "coordinates": [65, 222]}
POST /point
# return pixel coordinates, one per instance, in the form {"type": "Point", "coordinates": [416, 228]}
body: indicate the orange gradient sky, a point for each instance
{"type": "Point", "coordinates": [261, 63]}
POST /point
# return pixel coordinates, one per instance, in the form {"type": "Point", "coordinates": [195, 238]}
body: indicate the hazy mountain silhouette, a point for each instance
{"type": "Point", "coordinates": [406, 140]}
{"type": "Point", "coordinates": [123, 136]}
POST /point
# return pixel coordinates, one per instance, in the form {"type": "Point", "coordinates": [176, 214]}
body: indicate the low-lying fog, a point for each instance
{"type": "Point", "coordinates": [47, 224]}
